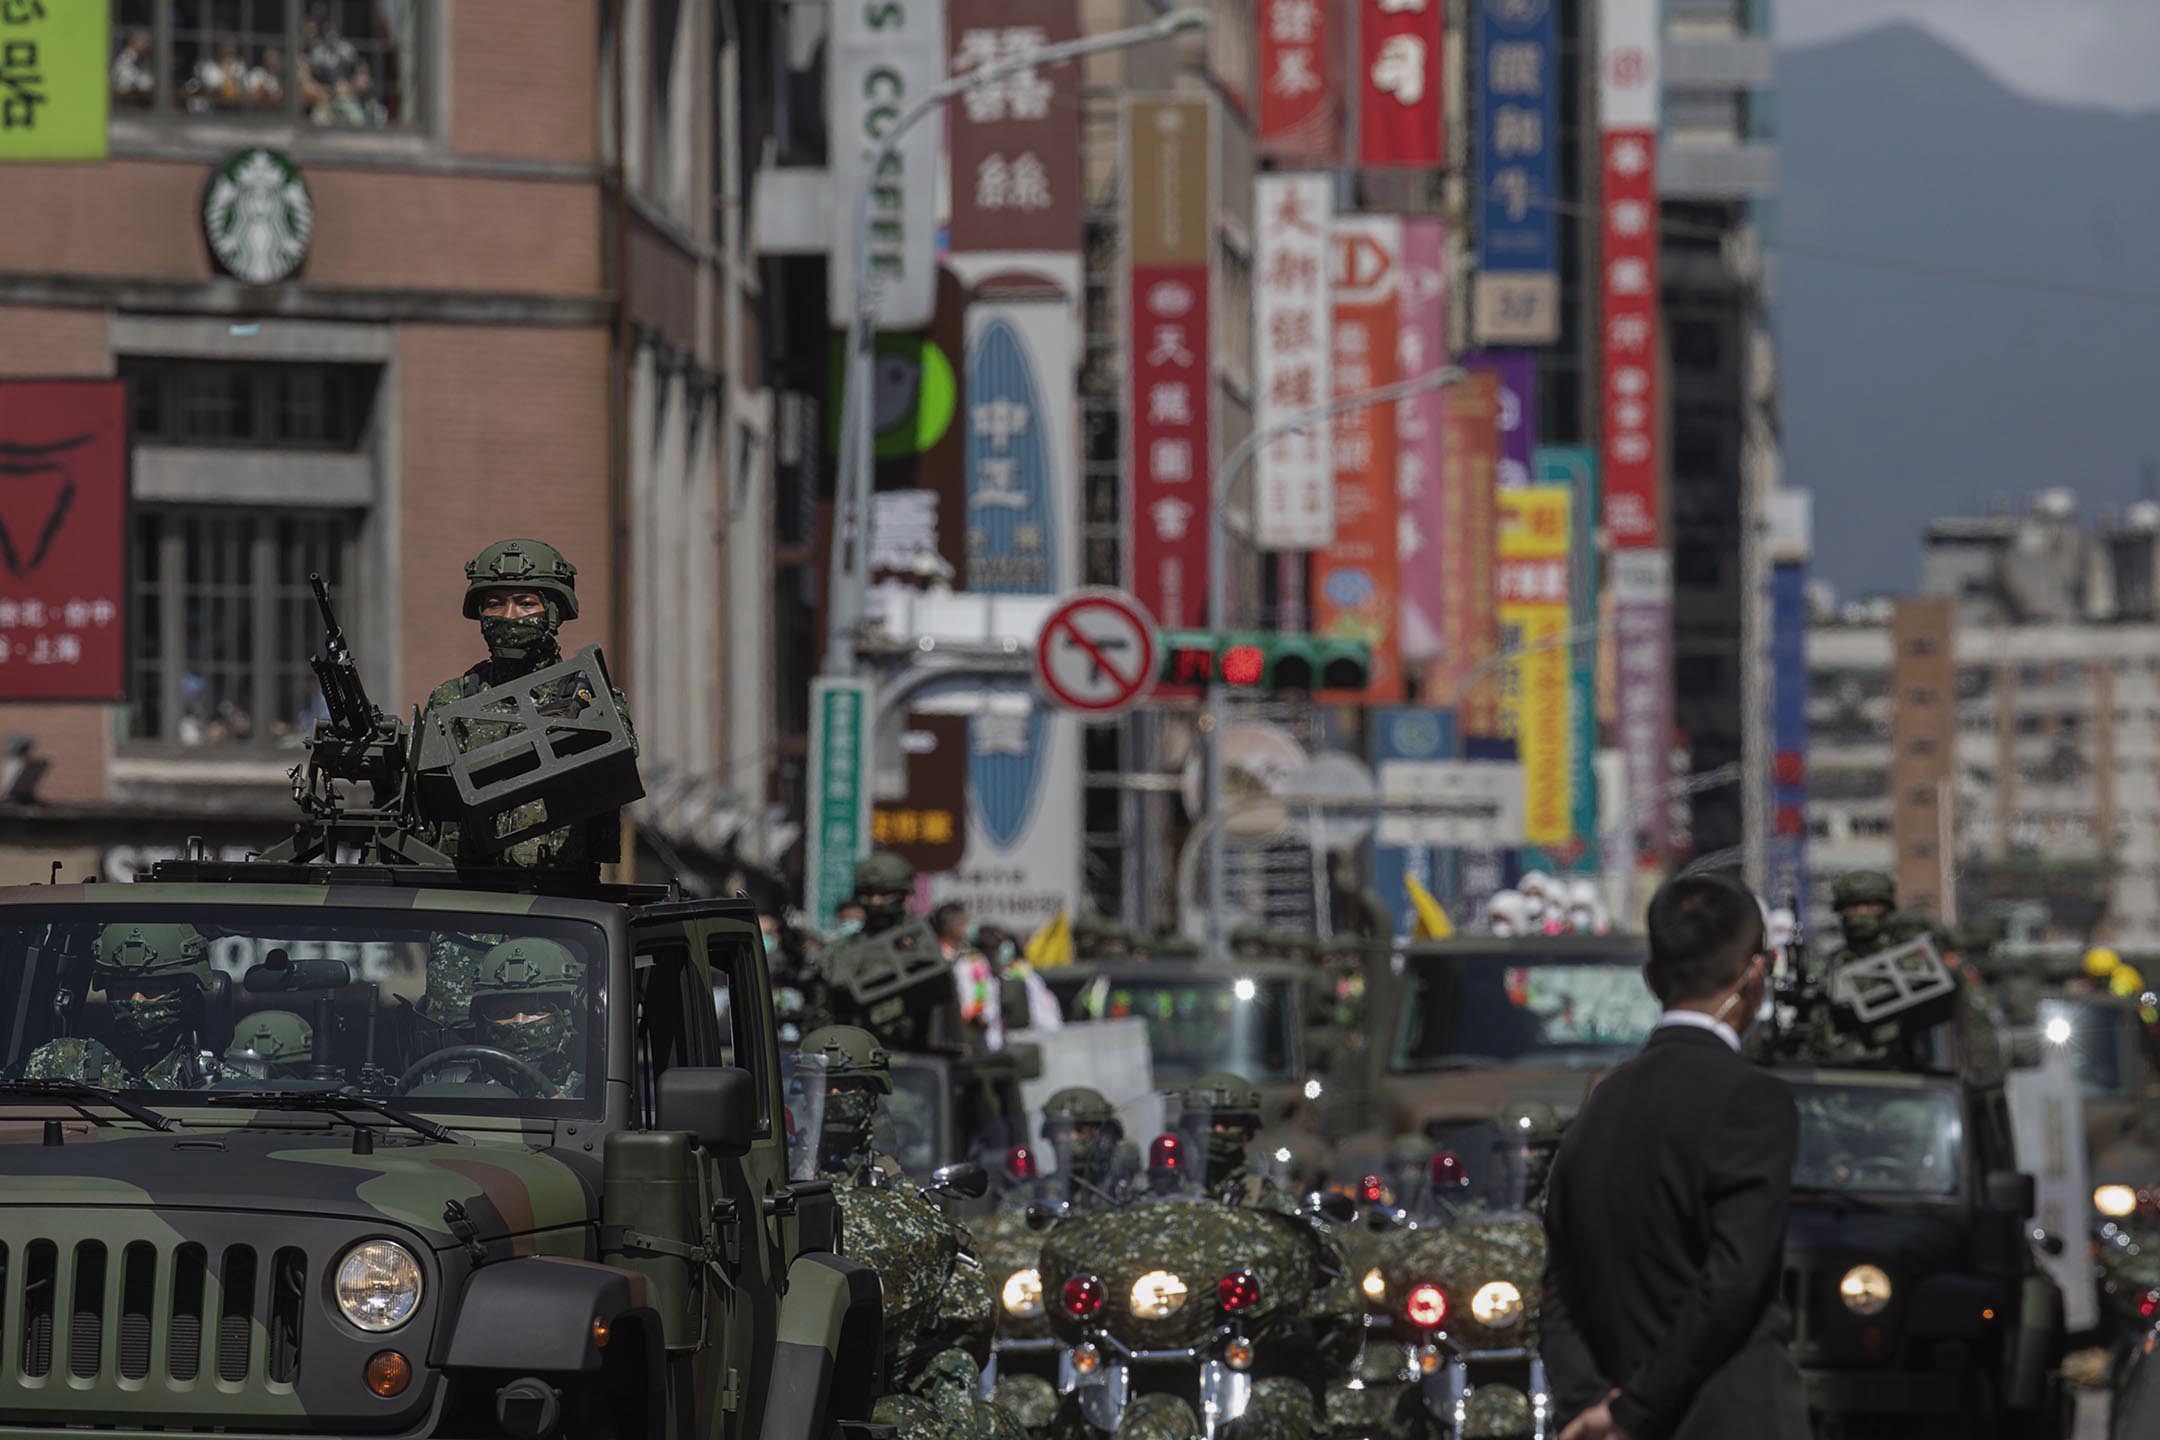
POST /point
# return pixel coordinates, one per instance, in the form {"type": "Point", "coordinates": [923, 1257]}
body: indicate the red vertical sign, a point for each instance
{"type": "Point", "coordinates": [1015, 142]}
{"type": "Point", "coordinates": [1300, 109]}
{"type": "Point", "coordinates": [1629, 303]}
{"type": "Point", "coordinates": [1469, 466]}
{"type": "Point", "coordinates": [1356, 580]}
{"type": "Point", "coordinates": [1168, 354]}
{"type": "Point", "coordinates": [1400, 117]}
{"type": "Point", "coordinates": [63, 540]}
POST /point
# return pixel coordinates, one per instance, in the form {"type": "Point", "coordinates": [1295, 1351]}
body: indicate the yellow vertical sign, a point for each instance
{"type": "Point", "coordinates": [53, 95]}
{"type": "Point", "coordinates": [1530, 577]}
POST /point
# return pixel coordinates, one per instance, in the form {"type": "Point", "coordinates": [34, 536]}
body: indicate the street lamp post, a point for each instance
{"type": "Point", "coordinates": [850, 561]}
{"type": "Point", "coordinates": [1233, 468]}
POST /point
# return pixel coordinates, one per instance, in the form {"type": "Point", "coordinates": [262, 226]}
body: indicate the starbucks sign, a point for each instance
{"type": "Point", "coordinates": [257, 216]}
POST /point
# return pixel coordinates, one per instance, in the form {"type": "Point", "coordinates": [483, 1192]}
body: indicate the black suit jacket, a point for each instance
{"type": "Point", "coordinates": [1665, 1216]}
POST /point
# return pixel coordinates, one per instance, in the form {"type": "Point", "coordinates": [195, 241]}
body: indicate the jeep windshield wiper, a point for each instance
{"type": "Point", "coordinates": [82, 1095]}
{"type": "Point", "coordinates": [332, 1102]}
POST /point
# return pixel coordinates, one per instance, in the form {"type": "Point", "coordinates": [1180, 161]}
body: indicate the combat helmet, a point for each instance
{"type": "Point", "coordinates": [1082, 1129]}
{"type": "Point", "coordinates": [888, 879]}
{"type": "Point", "coordinates": [1863, 887]}
{"type": "Point", "coordinates": [850, 1053]}
{"type": "Point", "coordinates": [1529, 1134]}
{"type": "Point", "coordinates": [528, 975]}
{"type": "Point", "coordinates": [523, 565]}
{"type": "Point", "coordinates": [143, 951]}
{"type": "Point", "coordinates": [169, 966]}
{"type": "Point", "coordinates": [857, 1072]}
{"type": "Point", "coordinates": [1228, 1106]}
{"type": "Point", "coordinates": [275, 1037]}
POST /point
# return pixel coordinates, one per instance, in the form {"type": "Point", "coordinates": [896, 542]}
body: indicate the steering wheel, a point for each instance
{"type": "Point", "coordinates": [505, 1062]}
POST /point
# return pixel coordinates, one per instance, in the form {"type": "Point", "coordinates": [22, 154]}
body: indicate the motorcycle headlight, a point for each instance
{"type": "Point", "coordinates": [1865, 1289]}
{"type": "Point", "coordinates": [1497, 1305]}
{"type": "Point", "coordinates": [1156, 1294]}
{"type": "Point", "coordinates": [1374, 1284]}
{"type": "Point", "coordinates": [2115, 1201]}
{"type": "Point", "coordinates": [378, 1285]}
{"type": "Point", "coordinates": [1022, 1295]}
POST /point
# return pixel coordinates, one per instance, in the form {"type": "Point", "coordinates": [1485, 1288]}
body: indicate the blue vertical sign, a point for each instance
{"type": "Point", "coordinates": [1576, 466]}
{"type": "Point", "coordinates": [1518, 137]}
{"type": "Point", "coordinates": [1786, 871]}
{"type": "Point", "coordinates": [1409, 732]}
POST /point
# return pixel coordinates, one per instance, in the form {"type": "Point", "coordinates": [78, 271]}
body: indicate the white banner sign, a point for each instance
{"type": "Point", "coordinates": [887, 54]}
{"type": "Point", "coordinates": [1478, 804]}
{"type": "Point", "coordinates": [1294, 484]}
{"type": "Point", "coordinates": [1628, 44]}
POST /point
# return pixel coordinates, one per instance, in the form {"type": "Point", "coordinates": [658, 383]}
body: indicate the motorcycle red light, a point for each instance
{"type": "Point", "coordinates": [2149, 1304]}
{"type": "Point", "coordinates": [1425, 1307]}
{"type": "Point", "coordinates": [1082, 1296]}
{"type": "Point", "coordinates": [1448, 1172]}
{"type": "Point", "coordinates": [1165, 1152]}
{"type": "Point", "coordinates": [1238, 1290]}
{"type": "Point", "coordinates": [1372, 1190]}
{"type": "Point", "coordinates": [1020, 1163]}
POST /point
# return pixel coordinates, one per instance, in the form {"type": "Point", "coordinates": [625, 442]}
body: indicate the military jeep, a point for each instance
{"type": "Point", "coordinates": [405, 1221]}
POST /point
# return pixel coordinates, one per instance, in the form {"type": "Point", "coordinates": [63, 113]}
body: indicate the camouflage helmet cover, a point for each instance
{"type": "Point", "coordinates": [144, 950]}
{"type": "Point", "coordinates": [850, 1052]}
{"type": "Point", "coordinates": [522, 565]}
{"type": "Point", "coordinates": [1077, 1105]}
{"type": "Point", "coordinates": [528, 965]}
{"type": "Point", "coordinates": [1176, 947]}
{"type": "Point", "coordinates": [1224, 1095]}
{"type": "Point", "coordinates": [1863, 887]}
{"type": "Point", "coordinates": [275, 1035]}
{"type": "Point", "coordinates": [883, 873]}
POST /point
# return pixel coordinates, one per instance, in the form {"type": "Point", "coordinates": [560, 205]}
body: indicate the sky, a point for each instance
{"type": "Point", "coordinates": [2085, 52]}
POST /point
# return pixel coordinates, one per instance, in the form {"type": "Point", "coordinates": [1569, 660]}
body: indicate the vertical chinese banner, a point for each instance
{"type": "Point", "coordinates": [53, 89]}
{"type": "Point", "coordinates": [1355, 590]}
{"type": "Point", "coordinates": [1517, 415]}
{"type": "Point", "coordinates": [1169, 190]}
{"type": "Point", "coordinates": [1531, 579]}
{"type": "Point", "coordinates": [1419, 425]}
{"type": "Point", "coordinates": [1628, 259]}
{"type": "Point", "coordinates": [1300, 104]}
{"type": "Point", "coordinates": [1576, 468]}
{"type": "Point", "coordinates": [1643, 697]}
{"type": "Point", "coordinates": [63, 539]}
{"type": "Point", "coordinates": [1515, 299]}
{"type": "Point", "coordinates": [1469, 458]}
{"type": "Point", "coordinates": [1294, 484]}
{"type": "Point", "coordinates": [884, 57]}
{"type": "Point", "coordinates": [1785, 874]}
{"type": "Point", "coordinates": [1015, 142]}
{"type": "Point", "coordinates": [1400, 117]}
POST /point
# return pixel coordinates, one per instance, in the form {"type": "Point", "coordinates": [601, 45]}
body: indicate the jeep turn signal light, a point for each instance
{"type": "Point", "coordinates": [600, 1332]}
{"type": "Point", "coordinates": [388, 1373]}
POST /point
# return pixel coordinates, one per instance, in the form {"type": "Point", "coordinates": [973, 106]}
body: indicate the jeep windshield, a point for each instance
{"type": "Point", "coordinates": [428, 1010]}
{"type": "Point", "coordinates": [1878, 1139]}
{"type": "Point", "coordinates": [1244, 1024]}
{"type": "Point", "coordinates": [1520, 1005]}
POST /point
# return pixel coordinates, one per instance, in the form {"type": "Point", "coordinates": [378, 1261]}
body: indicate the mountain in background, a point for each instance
{"type": "Point", "coordinates": [1909, 395]}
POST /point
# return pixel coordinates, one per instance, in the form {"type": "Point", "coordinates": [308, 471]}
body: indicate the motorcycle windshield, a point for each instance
{"type": "Point", "coordinates": [1200, 1148]}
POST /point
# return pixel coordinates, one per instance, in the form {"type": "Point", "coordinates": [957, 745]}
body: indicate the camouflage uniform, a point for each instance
{"type": "Point", "coordinates": [890, 941]}
{"type": "Point", "coordinates": [154, 1044]}
{"type": "Point", "coordinates": [531, 975]}
{"type": "Point", "coordinates": [518, 646]}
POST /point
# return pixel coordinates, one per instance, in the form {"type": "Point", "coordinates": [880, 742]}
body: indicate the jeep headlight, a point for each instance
{"type": "Point", "coordinates": [378, 1285]}
{"type": "Point", "coordinates": [1865, 1289]}
{"type": "Point", "coordinates": [1156, 1294]}
{"type": "Point", "coordinates": [1497, 1306]}
{"type": "Point", "coordinates": [1022, 1295]}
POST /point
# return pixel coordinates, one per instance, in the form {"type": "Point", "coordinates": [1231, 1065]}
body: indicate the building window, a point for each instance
{"type": "Point", "coordinates": [341, 64]}
{"type": "Point", "coordinates": [232, 403]}
{"type": "Point", "coordinates": [224, 621]}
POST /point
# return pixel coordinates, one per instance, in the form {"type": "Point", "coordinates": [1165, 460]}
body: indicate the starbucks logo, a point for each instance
{"type": "Point", "coordinates": [257, 216]}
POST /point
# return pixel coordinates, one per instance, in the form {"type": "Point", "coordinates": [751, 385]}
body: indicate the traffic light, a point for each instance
{"type": "Point", "coordinates": [1264, 660]}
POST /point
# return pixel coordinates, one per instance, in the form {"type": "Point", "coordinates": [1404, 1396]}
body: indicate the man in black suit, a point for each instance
{"type": "Point", "coordinates": [1665, 1213]}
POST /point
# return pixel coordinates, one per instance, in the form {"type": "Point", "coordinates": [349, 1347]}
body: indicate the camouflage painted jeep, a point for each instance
{"type": "Point", "coordinates": [350, 1150]}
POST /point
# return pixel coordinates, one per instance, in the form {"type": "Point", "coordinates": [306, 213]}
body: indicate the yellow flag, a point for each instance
{"type": "Point", "coordinates": [1432, 921]}
{"type": "Point", "coordinates": [1052, 945]}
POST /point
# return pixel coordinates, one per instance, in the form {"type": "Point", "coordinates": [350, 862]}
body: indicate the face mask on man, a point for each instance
{"type": "Point", "coordinates": [519, 639]}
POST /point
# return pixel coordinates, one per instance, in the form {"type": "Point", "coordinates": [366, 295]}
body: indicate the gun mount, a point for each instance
{"type": "Point", "coordinates": [1877, 1009]}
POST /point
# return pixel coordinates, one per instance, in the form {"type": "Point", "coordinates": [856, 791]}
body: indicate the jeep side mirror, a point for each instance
{"type": "Point", "coordinates": [2012, 1190]}
{"type": "Point", "coordinates": [963, 1180]}
{"type": "Point", "coordinates": [715, 1103]}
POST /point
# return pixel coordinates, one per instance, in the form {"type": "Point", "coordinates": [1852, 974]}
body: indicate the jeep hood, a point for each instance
{"type": "Point", "coordinates": [506, 1187]}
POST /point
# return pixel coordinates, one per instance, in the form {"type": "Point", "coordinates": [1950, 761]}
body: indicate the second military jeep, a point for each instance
{"type": "Point", "coordinates": [397, 1220]}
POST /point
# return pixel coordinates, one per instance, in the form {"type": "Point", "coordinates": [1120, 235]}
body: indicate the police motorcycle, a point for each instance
{"type": "Point", "coordinates": [1083, 1144]}
{"type": "Point", "coordinates": [938, 1309]}
{"type": "Point", "coordinates": [1183, 1314]}
{"type": "Point", "coordinates": [1452, 1294]}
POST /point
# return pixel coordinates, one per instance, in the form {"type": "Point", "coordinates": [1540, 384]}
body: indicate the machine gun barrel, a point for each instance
{"type": "Point", "coordinates": [352, 715]}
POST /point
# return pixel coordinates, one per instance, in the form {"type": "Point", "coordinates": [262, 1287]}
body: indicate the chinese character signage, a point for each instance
{"type": "Point", "coordinates": [1015, 142]}
{"type": "Point", "coordinates": [1469, 459]}
{"type": "Point", "coordinates": [838, 830]}
{"type": "Point", "coordinates": [1576, 468]}
{"type": "Point", "coordinates": [1517, 296]}
{"type": "Point", "coordinates": [1419, 425]}
{"type": "Point", "coordinates": [1628, 286]}
{"type": "Point", "coordinates": [53, 86]}
{"type": "Point", "coordinates": [927, 824]}
{"type": "Point", "coordinates": [886, 55]}
{"type": "Point", "coordinates": [63, 539]}
{"type": "Point", "coordinates": [1786, 874]}
{"type": "Point", "coordinates": [1532, 578]}
{"type": "Point", "coordinates": [1294, 481]}
{"type": "Point", "coordinates": [1643, 693]}
{"type": "Point", "coordinates": [1355, 590]}
{"type": "Point", "coordinates": [1400, 117]}
{"type": "Point", "coordinates": [1517, 415]}
{"type": "Point", "coordinates": [1628, 64]}
{"type": "Point", "coordinates": [1168, 202]}
{"type": "Point", "coordinates": [1300, 102]}
{"type": "Point", "coordinates": [1024, 789]}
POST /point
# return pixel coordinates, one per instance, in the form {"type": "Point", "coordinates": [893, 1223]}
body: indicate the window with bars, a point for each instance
{"type": "Point", "coordinates": [219, 403]}
{"type": "Point", "coordinates": [338, 64]}
{"type": "Point", "coordinates": [224, 622]}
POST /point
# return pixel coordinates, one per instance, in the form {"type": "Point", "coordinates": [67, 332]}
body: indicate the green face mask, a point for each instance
{"type": "Point", "coordinates": [141, 1027]}
{"type": "Point", "coordinates": [547, 1038]}
{"type": "Point", "coordinates": [520, 640]}
{"type": "Point", "coordinates": [1225, 1152]}
{"type": "Point", "coordinates": [1861, 929]}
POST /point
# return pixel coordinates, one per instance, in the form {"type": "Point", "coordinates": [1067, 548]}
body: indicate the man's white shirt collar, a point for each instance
{"type": "Point", "coordinates": [1701, 1021]}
